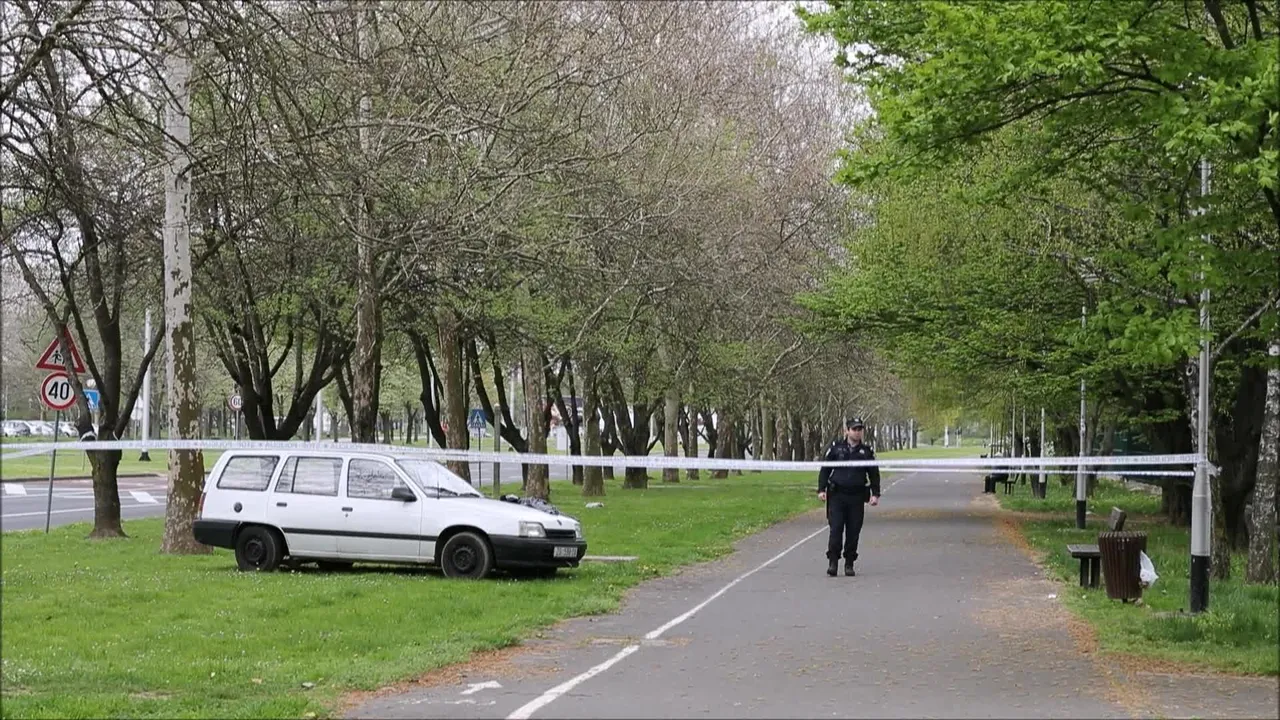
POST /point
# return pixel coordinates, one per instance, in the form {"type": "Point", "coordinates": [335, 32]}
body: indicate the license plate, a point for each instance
{"type": "Point", "coordinates": [564, 551]}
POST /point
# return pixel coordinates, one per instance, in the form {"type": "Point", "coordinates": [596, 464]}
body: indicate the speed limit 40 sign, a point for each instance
{"type": "Point", "coordinates": [56, 391]}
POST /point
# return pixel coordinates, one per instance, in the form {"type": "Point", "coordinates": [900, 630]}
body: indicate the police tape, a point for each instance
{"type": "Point", "coordinates": [1091, 464]}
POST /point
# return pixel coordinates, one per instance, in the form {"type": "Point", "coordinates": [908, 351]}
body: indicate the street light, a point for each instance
{"type": "Point", "coordinates": [1081, 484]}
{"type": "Point", "coordinates": [1201, 508]}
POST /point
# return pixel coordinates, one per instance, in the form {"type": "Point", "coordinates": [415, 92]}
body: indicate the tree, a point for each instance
{"type": "Point", "coordinates": [186, 467]}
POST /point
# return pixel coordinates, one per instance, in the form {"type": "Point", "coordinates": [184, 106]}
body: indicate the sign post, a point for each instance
{"type": "Point", "coordinates": [476, 421]}
{"type": "Point", "coordinates": [146, 389]}
{"type": "Point", "coordinates": [58, 395]}
{"type": "Point", "coordinates": [53, 465]}
{"type": "Point", "coordinates": [497, 464]}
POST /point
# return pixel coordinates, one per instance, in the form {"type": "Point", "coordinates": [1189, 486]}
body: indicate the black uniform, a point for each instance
{"type": "Point", "coordinates": [847, 491]}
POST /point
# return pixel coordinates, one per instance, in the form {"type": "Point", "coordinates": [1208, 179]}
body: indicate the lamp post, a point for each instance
{"type": "Point", "coordinates": [1201, 507]}
{"type": "Point", "coordinates": [146, 389]}
{"type": "Point", "coordinates": [1082, 485]}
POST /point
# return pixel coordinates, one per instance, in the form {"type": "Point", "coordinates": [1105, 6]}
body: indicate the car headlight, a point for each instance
{"type": "Point", "coordinates": [532, 530]}
{"type": "Point", "coordinates": [577, 532]}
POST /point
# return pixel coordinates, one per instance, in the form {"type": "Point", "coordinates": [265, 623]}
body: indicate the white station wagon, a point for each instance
{"type": "Point", "coordinates": [336, 508]}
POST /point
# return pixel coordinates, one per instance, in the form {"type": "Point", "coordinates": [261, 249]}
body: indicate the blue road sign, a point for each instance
{"type": "Point", "coordinates": [476, 420]}
{"type": "Point", "coordinates": [92, 397]}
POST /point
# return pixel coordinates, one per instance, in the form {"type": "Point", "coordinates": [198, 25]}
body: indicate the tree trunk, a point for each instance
{"type": "Point", "coordinates": [453, 399]}
{"type": "Point", "coordinates": [782, 423]}
{"type": "Point", "coordinates": [768, 436]}
{"type": "Point", "coordinates": [104, 465]}
{"type": "Point", "coordinates": [797, 437]}
{"type": "Point", "coordinates": [592, 476]}
{"type": "Point", "coordinates": [725, 432]}
{"type": "Point", "coordinates": [366, 366]}
{"type": "Point", "coordinates": [1262, 517]}
{"type": "Point", "coordinates": [535, 395]}
{"type": "Point", "coordinates": [691, 448]}
{"type": "Point", "coordinates": [186, 467]}
{"type": "Point", "coordinates": [757, 433]}
{"type": "Point", "coordinates": [670, 439]}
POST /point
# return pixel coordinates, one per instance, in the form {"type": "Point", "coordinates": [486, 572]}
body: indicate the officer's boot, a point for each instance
{"type": "Point", "coordinates": [848, 568]}
{"type": "Point", "coordinates": [831, 568]}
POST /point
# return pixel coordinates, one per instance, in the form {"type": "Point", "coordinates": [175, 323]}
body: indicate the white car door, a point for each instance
{"type": "Point", "coordinates": [377, 525]}
{"type": "Point", "coordinates": [306, 507]}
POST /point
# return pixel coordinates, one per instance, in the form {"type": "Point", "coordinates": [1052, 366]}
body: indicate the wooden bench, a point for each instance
{"type": "Point", "coordinates": [1090, 556]}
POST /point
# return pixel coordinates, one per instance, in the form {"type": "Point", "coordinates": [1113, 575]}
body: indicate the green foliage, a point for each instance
{"type": "Point", "coordinates": [1017, 149]}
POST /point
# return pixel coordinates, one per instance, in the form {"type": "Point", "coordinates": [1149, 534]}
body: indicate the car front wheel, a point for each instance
{"type": "Point", "coordinates": [258, 548]}
{"type": "Point", "coordinates": [466, 555]}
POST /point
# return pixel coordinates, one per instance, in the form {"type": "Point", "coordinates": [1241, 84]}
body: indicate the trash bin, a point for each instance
{"type": "Point", "coordinates": [1121, 563]}
{"type": "Point", "coordinates": [989, 484]}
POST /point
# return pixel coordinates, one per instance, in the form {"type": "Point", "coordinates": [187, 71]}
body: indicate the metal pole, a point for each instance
{"type": "Point", "coordinates": [497, 464]}
{"type": "Point", "coordinates": [146, 390]}
{"type": "Point", "coordinates": [53, 464]}
{"type": "Point", "coordinates": [479, 466]}
{"type": "Point", "coordinates": [1201, 507]}
{"type": "Point", "coordinates": [1081, 486]}
{"type": "Point", "coordinates": [1041, 491]}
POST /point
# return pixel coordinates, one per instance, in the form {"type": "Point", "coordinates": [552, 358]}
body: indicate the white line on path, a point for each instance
{"type": "Point", "coordinates": [549, 696]}
{"type": "Point", "coordinates": [528, 709]}
{"type": "Point", "coordinates": [15, 489]}
{"type": "Point", "coordinates": [143, 497]}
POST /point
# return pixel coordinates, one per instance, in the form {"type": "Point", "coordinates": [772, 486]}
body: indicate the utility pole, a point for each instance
{"type": "Point", "coordinates": [1201, 507]}
{"type": "Point", "coordinates": [146, 389]}
{"type": "Point", "coordinates": [1041, 492]}
{"type": "Point", "coordinates": [1081, 485]}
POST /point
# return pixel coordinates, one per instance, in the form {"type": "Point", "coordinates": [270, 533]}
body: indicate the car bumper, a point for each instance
{"type": "Point", "coordinates": [218, 533]}
{"type": "Point", "coordinates": [513, 552]}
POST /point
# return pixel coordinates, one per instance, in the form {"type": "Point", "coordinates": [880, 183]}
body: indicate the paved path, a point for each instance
{"type": "Point", "coordinates": [946, 618]}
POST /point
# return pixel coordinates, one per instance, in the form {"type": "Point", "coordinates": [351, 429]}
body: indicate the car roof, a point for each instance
{"type": "Point", "coordinates": [383, 454]}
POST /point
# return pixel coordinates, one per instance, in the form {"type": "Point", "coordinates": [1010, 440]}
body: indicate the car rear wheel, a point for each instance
{"type": "Point", "coordinates": [466, 555]}
{"type": "Point", "coordinates": [258, 548]}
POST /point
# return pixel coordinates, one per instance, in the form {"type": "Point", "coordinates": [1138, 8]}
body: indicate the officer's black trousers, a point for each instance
{"type": "Point", "coordinates": [845, 512]}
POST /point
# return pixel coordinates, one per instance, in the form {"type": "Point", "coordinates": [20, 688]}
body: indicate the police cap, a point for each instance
{"type": "Point", "coordinates": [854, 423]}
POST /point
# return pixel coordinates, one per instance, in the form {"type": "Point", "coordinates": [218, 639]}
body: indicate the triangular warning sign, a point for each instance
{"type": "Point", "coordinates": [52, 359]}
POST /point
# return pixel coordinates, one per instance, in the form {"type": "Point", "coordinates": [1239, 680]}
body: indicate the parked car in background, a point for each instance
{"type": "Point", "coordinates": [40, 427]}
{"type": "Point", "coordinates": [16, 428]}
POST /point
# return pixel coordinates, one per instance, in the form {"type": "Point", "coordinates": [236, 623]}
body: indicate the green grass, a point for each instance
{"type": "Point", "coordinates": [74, 464]}
{"type": "Point", "coordinates": [1237, 634]}
{"type": "Point", "coordinates": [113, 628]}
{"type": "Point", "coordinates": [931, 452]}
{"type": "Point", "coordinates": [1062, 498]}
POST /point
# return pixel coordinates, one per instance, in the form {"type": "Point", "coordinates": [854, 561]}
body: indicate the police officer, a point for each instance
{"type": "Point", "coordinates": [845, 491]}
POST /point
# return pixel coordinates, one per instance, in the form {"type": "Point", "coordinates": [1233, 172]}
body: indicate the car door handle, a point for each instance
{"type": "Point", "coordinates": [282, 504]}
{"type": "Point", "coordinates": [346, 509]}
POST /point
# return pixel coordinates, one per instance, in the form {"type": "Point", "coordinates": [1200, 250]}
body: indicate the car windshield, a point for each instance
{"type": "Point", "coordinates": [432, 477]}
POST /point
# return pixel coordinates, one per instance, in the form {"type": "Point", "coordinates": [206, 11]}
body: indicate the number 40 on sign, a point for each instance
{"type": "Point", "coordinates": [56, 392]}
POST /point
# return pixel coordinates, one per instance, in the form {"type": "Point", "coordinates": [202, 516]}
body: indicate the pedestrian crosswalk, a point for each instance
{"type": "Point", "coordinates": [142, 492]}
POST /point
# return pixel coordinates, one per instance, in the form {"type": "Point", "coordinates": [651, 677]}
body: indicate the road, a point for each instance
{"type": "Point", "coordinates": [23, 504]}
{"type": "Point", "coordinates": [946, 618]}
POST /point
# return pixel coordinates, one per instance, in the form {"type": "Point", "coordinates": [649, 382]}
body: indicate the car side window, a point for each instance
{"type": "Point", "coordinates": [371, 480]}
{"type": "Point", "coordinates": [249, 472]}
{"type": "Point", "coordinates": [310, 476]}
